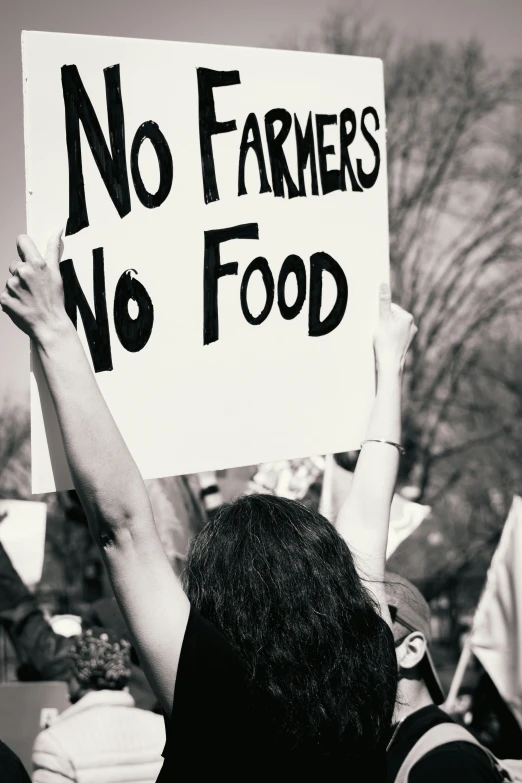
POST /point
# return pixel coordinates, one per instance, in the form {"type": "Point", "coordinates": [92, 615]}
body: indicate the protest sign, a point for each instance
{"type": "Point", "coordinates": [22, 533]}
{"type": "Point", "coordinates": [226, 234]}
{"type": "Point", "coordinates": [287, 478]}
{"type": "Point", "coordinates": [24, 709]}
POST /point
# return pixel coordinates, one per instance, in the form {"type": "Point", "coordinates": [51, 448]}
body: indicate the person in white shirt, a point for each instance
{"type": "Point", "coordinates": [102, 737]}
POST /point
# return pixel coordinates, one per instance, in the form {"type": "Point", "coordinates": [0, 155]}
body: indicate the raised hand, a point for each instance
{"type": "Point", "coordinates": [33, 295]}
{"type": "Point", "coordinates": [394, 333]}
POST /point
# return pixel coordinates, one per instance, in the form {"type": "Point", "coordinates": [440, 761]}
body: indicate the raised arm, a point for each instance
{"type": "Point", "coordinates": [104, 473]}
{"type": "Point", "coordinates": [364, 518]}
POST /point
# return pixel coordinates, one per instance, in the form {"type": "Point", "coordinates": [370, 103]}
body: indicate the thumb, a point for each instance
{"type": "Point", "coordinates": [54, 249]}
{"type": "Point", "coordinates": [384, 300]}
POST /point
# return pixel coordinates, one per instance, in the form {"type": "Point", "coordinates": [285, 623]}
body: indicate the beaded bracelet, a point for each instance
{"type": "Point", "coordinates": [398, 446]}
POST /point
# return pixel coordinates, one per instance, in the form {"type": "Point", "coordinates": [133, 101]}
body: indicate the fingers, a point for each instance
{"type": "Point", "coordinates": [9, 298]}
{"type": "Point", "coordinates": [413, 332]}
{"type": "Point", "coordinates": [12, 285]}
{"type": "Point", "coordinates": [385, 302]}
{"type": "Point", "coordinates": [411, 336]}
{"type": "Point", "coordinates": [399, 312]}
{"type": "Point", "coordinates": [28, 251]}
{"type": "Point", "coordinates": [54, 249]}
{"type": "Point", "coordinates": [21, 270]}
{"type": "Point", "coordinates": [9, 303]}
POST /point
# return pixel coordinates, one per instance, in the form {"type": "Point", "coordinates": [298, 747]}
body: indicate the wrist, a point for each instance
{"type": "Point", "coordinates": [389, 369]}
{"type": "Point", "coordinates": [52, 331]}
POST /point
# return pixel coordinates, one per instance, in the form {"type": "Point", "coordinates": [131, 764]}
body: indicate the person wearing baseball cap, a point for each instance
{"type": "Point", "coordinates": [418, 695]}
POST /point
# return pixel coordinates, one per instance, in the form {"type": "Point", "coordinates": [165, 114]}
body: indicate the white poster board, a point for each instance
{"type": "Point", "coordinates": [22, 533]}
{"type": "Point", "coordinates": [200, 379]}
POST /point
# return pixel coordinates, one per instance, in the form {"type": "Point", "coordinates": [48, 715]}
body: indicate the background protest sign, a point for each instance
{"type": "Point", "coordinates": [496, 634]}
{"type": "Point", "coordinates": [226, 214]}
{"type": "Point", "coordinates": [22, 533]}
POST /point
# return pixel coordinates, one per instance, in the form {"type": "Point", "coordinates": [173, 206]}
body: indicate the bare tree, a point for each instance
{"type": "Point", "coordinates": [14, 453]}
{"type": "Point", "coordinates": [454, 149]}
{"type": "Point", "coordinates": [455, 200]}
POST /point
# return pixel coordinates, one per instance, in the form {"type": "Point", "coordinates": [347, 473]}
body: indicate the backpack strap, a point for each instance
{"type": "Point", "coordinates": [442, 734]}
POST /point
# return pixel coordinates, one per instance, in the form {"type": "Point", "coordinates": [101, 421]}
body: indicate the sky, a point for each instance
{"type": "Point", "coordinates": [498, 23]}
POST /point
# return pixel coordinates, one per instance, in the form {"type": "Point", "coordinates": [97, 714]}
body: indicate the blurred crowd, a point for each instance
{"type": "Point", "coordinates": [114, 730]}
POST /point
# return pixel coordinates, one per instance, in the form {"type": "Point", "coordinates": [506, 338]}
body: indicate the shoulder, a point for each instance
{"type": "Point", "coordinates": [213, 698]}
{"type": "Point", "coordinates": [48, 741]}
{"type": "Point", "coordinates": [50, 760]}
{"type": "Point", "coordinates": [206, 649]}
{"type": "Point", "coordinates": [412, 731]}
{"type": "Point", "coordinates": [421, 721]}
{"type": "Point", "coordinates": [147, 722]}
{"type": "Point", "coordinates": [211, 673]}
{"type": "Point", "coordinates": [456, 761]}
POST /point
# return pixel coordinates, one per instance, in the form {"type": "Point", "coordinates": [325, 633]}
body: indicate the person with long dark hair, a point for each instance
{"type": "Point", "coordinates": [274, 657]}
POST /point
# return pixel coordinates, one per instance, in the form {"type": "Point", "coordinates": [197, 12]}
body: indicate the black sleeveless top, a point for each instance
{"type": "Point", "coordinates": [221, 728]}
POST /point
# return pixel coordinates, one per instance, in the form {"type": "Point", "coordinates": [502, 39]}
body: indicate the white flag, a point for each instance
{"type": "Point", "coordinates": [496, 636]}
{"type": "Point", "coordinates": [22, 533]}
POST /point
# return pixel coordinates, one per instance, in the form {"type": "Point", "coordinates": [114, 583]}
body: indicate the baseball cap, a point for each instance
{"type": "Point", "coordinates": [409, 608]}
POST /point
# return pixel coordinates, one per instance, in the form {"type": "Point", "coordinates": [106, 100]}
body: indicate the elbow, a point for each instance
{"type": "Point", "coordinates": [114, 512]}
{"type": "Point", "coordinates": [114, 530]}
{"type": "Point", "coordinates": [111, 535]}
{"type": "Point", "coordinates": [115, 516]}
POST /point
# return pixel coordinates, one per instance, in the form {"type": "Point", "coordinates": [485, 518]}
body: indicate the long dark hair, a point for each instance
{"type": "Point", "coordinates": [280, 583]}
